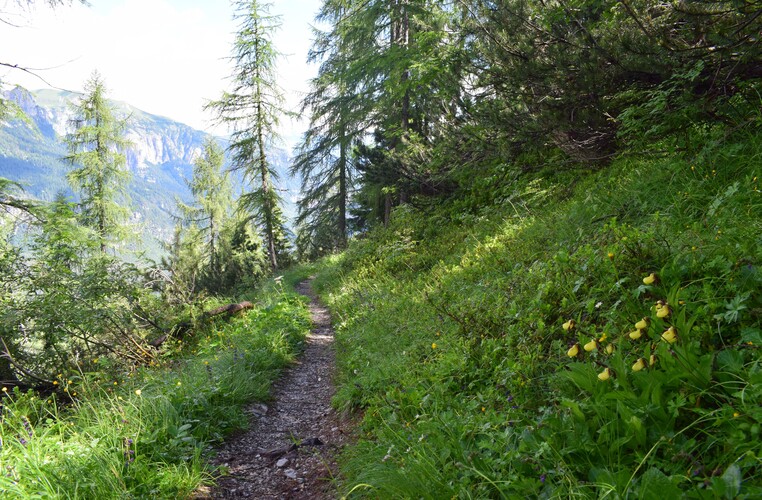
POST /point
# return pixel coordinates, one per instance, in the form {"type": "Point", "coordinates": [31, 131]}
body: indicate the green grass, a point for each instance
{"type": "Point", "coordinates": [148, 434]}
{"type": "Point", "coordinates": [451, 345]}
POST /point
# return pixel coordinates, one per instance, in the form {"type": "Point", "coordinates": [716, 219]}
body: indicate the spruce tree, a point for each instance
{"type": "Point", "coordinates": [384, 69]}
{"type": "Point", "coordinates": [96, 151]}
{"type": "Point", "coordinates": [212, 195]}
{"type": "Point", "coordinates": [324, 158]}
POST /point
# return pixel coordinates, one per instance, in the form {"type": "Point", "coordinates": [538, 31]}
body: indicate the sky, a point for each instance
{"type": "Point", "coordinates": [166, 57]}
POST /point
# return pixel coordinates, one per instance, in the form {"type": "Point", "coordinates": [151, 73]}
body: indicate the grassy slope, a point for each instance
{"type": "Point", "coordinates": [451, 341]}
{"type": "Point", "coordinates": [145, 434]}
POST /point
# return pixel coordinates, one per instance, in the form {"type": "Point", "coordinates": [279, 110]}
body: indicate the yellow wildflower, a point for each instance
{"type": "Point", "coordinates": [569, 325]}
{"type": "Point", "coordinates": [636, 334]}
{"type": "Point", "coordinates": [610, 349]}
{"type": "Point", "coordinates": [611, 255]}
{"type": "Point", "coordinates": [652, 360]}
{"type": "Point", "coordinates": [670, 335]}
{"type": "Point", "coordinates": [643, 324]}
{"type": "Point", "coordinates": [138, 392]}
{"type": "Point", "coordinates": [603, 337]}
{"type": "Point", "coordinates": [434, 345]}
{"type": "Point", "coordinates": [604, 375]}
{"type": "Point", "coordinates": [573, 351]}
{"type": "Point", "coordinates": [650, 279]}
{"type": "Point", "coordinates": [591, 346]}
{"type": "Point", "coordinates": [639, 365]}
{"type": "Point", "coordinates": [663, 311]}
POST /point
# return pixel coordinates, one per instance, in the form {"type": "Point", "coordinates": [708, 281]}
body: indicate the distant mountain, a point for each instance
{"type": "Point", "coordinates": [160, 159]}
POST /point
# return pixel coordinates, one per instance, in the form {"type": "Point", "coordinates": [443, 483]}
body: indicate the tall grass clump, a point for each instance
{"type": "Point", "coordinates": [585, 333]}
{"type": "Point", "coordinates": [147, 433]}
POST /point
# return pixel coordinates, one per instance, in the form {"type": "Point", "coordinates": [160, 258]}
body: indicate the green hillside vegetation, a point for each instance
{"type": "Point", "coordinates": [456, 347]}
{"type": "Point", "coordinates": [559, 293]}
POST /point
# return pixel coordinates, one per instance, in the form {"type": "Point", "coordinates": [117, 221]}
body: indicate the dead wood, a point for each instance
{"type": "Point", "coordinates": [279, 452]}
{"type": "Point", "coordinates": [230, 309]}
{"type": "Point", "coordinates": [181, 329]}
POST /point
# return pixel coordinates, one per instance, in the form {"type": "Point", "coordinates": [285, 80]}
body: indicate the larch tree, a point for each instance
{"type": "Point", "coordinates": [323, 159]}
{"type": "Point", "coordinates": [96, 150]}
{"type": "Point", "coordinates": [253, 109]}
{"type": "Point", "coordinates": [384, 69]}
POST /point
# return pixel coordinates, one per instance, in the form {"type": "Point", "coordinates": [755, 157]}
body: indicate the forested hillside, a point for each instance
{"type": "Point", "coordinates": [538, 227]}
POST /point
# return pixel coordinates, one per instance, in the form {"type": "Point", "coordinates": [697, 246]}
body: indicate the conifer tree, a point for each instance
{"type": "Point", "coordinates": [212, 194]}
{"type": "Point", "coordinates": [253, 109]}
{"type": "Point", "coordinates": [96, 151]}
{"type": "Point", "coordinates": [324, 158]}
{"type": "Point", "coordinates": [383, 69]}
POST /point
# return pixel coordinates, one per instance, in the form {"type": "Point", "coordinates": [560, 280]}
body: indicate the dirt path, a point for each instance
{"type": "Point", "coordinates": [289, 450]}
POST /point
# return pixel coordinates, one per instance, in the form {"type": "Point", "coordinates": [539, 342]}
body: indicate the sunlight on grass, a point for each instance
{"type": "Point", "coordinates": [504, 351]}
{"type": "Point", "coordinates": [145, 434]}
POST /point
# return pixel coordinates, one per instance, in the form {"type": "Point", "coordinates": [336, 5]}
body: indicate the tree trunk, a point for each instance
{"type": "Point", "coordinates": [267, 192]}
{"type": "Point", "coordinates": [387, 208]}
{"type": "Point", "coordinates": [343, 191]}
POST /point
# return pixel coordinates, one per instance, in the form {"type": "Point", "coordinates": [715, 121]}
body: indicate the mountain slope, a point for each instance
{"type": "Point", "coordinates": [584, 334]}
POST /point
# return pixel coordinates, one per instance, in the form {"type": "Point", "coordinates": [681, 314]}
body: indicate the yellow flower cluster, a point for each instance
{"type": "Point", "coordinates": [663, 312]}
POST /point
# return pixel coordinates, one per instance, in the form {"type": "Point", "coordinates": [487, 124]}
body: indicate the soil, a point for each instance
{"type": "Point", "coordinates": [290, 448]}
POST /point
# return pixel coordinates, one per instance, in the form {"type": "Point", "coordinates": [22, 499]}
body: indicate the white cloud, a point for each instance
{"type": "Point", "coordinates": [163, 56]}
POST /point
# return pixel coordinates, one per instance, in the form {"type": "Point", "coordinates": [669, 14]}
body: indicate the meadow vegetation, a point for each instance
{"type": "Point", "coordinates": [147, 432]}
{"type": "Point", "coordinates": [560, 333]}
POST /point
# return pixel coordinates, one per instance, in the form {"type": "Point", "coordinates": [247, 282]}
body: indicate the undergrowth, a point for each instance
{"type": "Point", "coordinates": [584, 334]}
{"type": "Point", "coordinates": [147, 433]}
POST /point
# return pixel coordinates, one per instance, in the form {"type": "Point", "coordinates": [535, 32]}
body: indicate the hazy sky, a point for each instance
{"type": "Point", "coordinates": [166, 57]}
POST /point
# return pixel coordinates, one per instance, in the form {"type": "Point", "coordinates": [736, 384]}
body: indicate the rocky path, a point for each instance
{"type": "Point", "coordinates": [289, 450]}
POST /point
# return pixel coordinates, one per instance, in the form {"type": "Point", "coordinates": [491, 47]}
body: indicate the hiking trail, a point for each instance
{"type": "Point", "coordinates": [290, 448]}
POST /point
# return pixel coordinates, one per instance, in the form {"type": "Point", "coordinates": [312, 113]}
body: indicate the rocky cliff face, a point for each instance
{"type": "Point", "coordinates": [160, 158]}
{"type": "Point", "coordinates": [155, 140]}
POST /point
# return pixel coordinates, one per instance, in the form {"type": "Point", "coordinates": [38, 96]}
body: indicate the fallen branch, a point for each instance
{"type": "Point", "coordinates": [7, 355]}
{"type": "Point", "coordinates": [181, 328]}
{"type": "Point", "coordinates": [230, 309]}
{"type": "Point", "coordinates": [279, 452]}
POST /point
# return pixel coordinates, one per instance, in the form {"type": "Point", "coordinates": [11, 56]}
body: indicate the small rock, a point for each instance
{"type": "Point", "coordinates": [334, 429]}
{"type": "Point", "coordinates": [281, 463]}
{"type": "Point", "coordinates": [258, 410]}
{"type": "Point", "coordinates": [290, 473]}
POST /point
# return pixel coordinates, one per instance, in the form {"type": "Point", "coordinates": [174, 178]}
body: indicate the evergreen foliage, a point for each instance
{"type": "Point", "coordinates": [434, 94]}
{"type": "Point", "coordinates": [253, 109]}
{"type": "Point", "coordinates": [96, 151]}
{"type": "Point", "coordinates": [213, 198]}
{"type": "Point", "coordinates": [556, 294]}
